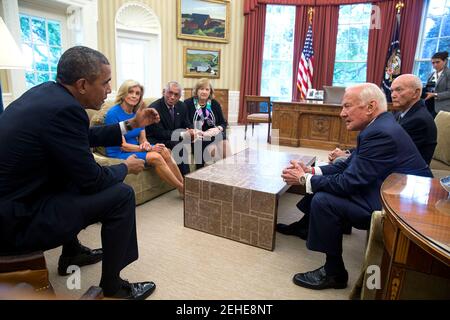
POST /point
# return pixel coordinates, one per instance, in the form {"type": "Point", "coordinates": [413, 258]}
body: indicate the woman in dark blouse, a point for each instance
{"type": "Point", "coordinates": [207, 117]}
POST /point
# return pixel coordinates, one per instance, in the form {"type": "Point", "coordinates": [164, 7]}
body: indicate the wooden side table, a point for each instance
{"type": "Point", "coordinates": [416, 233]}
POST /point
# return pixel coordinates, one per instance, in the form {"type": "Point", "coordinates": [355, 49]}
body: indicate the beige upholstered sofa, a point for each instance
{"type": "Point", "coordinates": [147, 184]}
{"type": "Point", "coordinates": [440, 164]}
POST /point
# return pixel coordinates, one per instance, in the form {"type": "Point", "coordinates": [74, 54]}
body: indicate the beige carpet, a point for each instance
{"type": "Point", "coordinates": [189, 264]}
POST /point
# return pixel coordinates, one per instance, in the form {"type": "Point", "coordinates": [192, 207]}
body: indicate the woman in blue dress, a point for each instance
{"type": "Point", "coordinates": [128, 99]}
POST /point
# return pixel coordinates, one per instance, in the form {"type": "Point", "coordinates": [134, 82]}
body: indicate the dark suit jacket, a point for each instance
{"type": "Point", "coordinates": [45, 149]}
{"type": "Point", "coordinates": [162, 132]}
{"type": "Point", "coordinates": [383, 147]}
{"type": "Point", "coordinates": [420, 126]}
{"type": "Point", "coordinates": [442, 102]}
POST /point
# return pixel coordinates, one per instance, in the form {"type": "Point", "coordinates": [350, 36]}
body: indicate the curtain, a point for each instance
{"type": "Point", "coordinates": [301, 26]}
{"type": "Point", "coordinates": [409, 32]}
{"type": "Point", "coordinates": [325, 27]}
{"type": "Point", "coordinates": [379, 41]}
{"type": "Point", "coordinates": [252, 55]}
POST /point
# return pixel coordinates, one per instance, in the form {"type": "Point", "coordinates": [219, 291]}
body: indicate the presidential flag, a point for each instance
{"type": "Point", "coordinates": [393, 61]}
{"type": "Point", "coordinates": [305, 65]}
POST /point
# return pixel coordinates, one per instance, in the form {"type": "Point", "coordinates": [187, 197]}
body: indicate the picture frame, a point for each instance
{"type": "Point", "coordinates": [203, 20]}
{"type": "Point", "coordinates": [201, 62]}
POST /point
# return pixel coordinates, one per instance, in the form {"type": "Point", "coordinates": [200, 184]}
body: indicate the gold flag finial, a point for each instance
{"type": "Point", "coordinates": [399, 6]}
{"type": "Point", "coordinates": [310, 14]}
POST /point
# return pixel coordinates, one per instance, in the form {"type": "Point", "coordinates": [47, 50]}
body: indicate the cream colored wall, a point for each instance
{"type": "Point", "coordinates": [172, 48]}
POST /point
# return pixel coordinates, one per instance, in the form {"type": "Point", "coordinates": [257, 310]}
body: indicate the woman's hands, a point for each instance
{"type": "Point", "coordinates": [145, 146]}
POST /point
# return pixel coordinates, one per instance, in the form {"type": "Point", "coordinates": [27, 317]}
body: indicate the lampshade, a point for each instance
{"type": "Point", "coordinates": [11, 56]}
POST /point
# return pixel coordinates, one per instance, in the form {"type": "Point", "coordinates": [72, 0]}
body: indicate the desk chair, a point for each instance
{"type": "Point", "coordinates": [258, 110]}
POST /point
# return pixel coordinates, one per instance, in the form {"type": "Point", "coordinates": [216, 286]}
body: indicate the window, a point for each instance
{"type": "Point", "coordinates": [435, 36]}
{"type": "Point", "coordinates": [351, 46]}
{"type": "Point", "coordinates": [138, 47]}
{"type": "Point", "coordinates": [276, 78]}
{"type": "Point", "coordinates": [42, 47]}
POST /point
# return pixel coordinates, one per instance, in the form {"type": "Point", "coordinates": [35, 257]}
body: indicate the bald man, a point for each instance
{"type": "Point", "coordinates": [348, 192]}
{"type": "Point", "coordinates": [413, 115]}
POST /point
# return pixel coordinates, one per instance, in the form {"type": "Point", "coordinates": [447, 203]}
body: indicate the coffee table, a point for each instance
{"type": "Point", "coordinates": [237, 198]}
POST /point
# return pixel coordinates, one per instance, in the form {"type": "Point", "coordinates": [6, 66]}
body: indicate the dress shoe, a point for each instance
{"type": "Point", "coordinates": [297, 228]}
{"type": "Point", "coordinates": [84, 257]}
{"type": "Point", "coordinates": [133, 291]}
{"type": "Point", "coordinates": [318, 279]}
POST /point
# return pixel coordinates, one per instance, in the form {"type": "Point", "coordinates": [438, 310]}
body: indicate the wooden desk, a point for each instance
{"type": "Point", "coordinates": [416, 231]}
{"type": "Point", "coordinates": [312, 124]}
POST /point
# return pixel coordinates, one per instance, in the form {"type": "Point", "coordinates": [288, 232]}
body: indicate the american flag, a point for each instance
{"type": "Point", "coordinates": [305, 65]}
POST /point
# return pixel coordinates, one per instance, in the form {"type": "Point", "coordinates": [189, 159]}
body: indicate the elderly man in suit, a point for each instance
{"type": "Point", "coordinates": [413, 115]}
{"type": "Point", "coordinates": [50, 185]}
{"type": "Point", "coordinates": [174, 126]}
{"type": "Point", "coordinates": [348, 192]}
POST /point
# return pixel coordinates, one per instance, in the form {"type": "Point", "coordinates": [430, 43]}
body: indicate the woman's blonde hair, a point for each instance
{"type": "Point", "coordinates": [203, 82]}
{"type": "Point", "coordinates": [125, 88]}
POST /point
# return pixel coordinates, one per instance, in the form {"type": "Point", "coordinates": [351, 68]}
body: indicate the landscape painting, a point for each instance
{"type": "Point", "coordinates": [201, 63]}
{"type": "Point", "coordinates": [204, 20]}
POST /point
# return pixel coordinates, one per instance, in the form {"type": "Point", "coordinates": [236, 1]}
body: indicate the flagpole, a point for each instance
{"type": "Point", "coordinates": [393, 59]}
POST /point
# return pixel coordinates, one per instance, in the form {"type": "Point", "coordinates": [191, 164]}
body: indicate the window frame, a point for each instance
{"type": "Point", "coordinates": [359, 61]}
{"type": "Point", "coordinates": [50, 15]}
{"type": "Point", "coordinates": [420, 41]}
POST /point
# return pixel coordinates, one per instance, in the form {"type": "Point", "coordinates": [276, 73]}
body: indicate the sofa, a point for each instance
{"type": "Point", "coordinates": [147, 184]}
{"type": "Point", "coordinates": [440, 164]}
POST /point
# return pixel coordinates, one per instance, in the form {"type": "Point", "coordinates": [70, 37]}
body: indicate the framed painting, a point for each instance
{"type": "Point", "coordinates": [201, 63]}
{"type": "Point", "coordinates": [203, 20]}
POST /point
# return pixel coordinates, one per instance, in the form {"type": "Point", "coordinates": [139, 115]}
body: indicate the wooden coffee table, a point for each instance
{"type": "Point", "coordinates": [237, 198]}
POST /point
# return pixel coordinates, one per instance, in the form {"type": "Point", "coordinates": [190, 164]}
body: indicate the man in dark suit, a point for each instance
{"type": "Point", "coordinates": [348, 192]}
{"type": "Point", "coordinates": [50, 185]}
{"type": "Point", "coordinates": [413, 115]}
{"type": "Point", "coordinates": [174, 126]}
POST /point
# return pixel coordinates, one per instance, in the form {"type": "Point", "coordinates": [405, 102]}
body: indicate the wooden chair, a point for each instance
{"type": "Point", "coordinates": [29, 273]}
{"type": "Point", "coordinates": [258, 110]}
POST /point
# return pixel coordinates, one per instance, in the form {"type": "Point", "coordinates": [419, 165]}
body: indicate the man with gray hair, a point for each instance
{"type": "Point", "coordinates": [174, 126]}
{"type": "Point", "coordinates": [413, 115]}
{"type": "Point", "coordinates": [348, 192]}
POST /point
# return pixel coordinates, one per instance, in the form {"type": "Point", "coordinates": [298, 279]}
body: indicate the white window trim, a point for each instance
{"type": "Point", "coordinates": [88, 16]}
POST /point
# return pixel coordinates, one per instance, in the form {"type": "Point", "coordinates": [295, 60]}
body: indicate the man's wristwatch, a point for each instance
{"type": "Point", "coordinates": [302, 180]}
{"type": "Point", "coordinates": [128, 125]}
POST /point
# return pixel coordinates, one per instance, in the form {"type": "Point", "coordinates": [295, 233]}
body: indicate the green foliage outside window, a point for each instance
{"type": "Point", "coordinates": [42, 47]}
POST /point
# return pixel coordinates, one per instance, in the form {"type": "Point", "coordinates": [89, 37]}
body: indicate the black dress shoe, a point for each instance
{"type": "Point", "coordinates": [318, 279]}
{"type": "Point", "coordinates": [297, 228]}
{"type": "Point", "coordinates": [133, 291]}
{"type": "Point", "coordinates": [84, 257]}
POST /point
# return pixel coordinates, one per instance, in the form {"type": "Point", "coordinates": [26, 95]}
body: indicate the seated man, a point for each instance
{"type": "Point", "coordinates": [50, 185]}
{"type": "Point", "coordinates": [173, 113]}
{"type": "Point", "coordinates": [349, 191]}
{"type": "Point", "coordinates": [413, 117]}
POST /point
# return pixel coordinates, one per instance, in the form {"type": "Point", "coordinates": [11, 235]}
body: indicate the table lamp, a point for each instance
{"type": "Point", "coordinates": [10, 55]}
